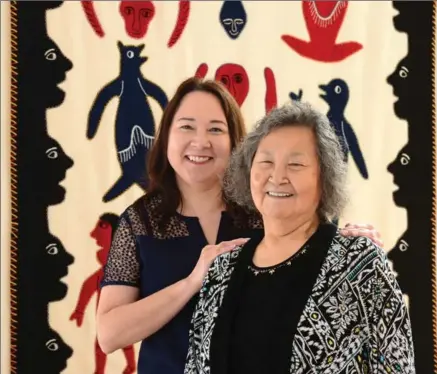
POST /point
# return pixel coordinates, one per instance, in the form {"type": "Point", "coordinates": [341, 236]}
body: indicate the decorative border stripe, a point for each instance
{"type": "Point", "coordinates": [434, 178]}
{"type": "Point", "coordinates": [14, 185]}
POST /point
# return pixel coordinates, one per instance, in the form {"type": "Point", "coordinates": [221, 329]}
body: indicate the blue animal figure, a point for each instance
{"type": "Point", "coordinates": [336, 94]}
{"type": "Point", "coordinates": [134, 123]}
{"type": "Point", "coordinates": [233, 18]}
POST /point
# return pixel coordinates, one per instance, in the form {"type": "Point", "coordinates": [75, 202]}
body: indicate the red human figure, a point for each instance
{"type": "Point", "coordinates": [102, 233]}
{"type": "Point", "coordinates": [323, 20]}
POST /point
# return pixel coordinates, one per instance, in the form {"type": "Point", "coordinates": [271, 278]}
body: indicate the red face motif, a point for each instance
{"type": "Point", "coordinates": [235, 78]}
{"type": "Point", "coordinates": [137, 16]}
{"type": "Point", "coordinates": [102, 233]}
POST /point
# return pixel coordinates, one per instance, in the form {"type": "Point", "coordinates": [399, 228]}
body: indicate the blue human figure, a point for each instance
{"type": "Point", "coordinates": [134, 124]}
{"type": "Point", "coordinates": [336, 95]}
{"type": "Point", "coordinates": [233, 18]}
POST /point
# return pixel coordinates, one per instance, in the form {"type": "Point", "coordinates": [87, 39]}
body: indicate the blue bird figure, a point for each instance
{"type": "Point", "coordinates": [134, 123]}
{"type": "Point", "coordinates": [336, 95]}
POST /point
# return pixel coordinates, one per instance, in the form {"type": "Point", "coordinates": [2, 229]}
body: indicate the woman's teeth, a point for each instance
{"type": "Point", "coordinates": [279, 194]}
{"type": "Point", "coordinates": [198, 159]}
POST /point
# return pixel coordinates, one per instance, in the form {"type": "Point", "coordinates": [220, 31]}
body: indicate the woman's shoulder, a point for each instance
{"type": "Point", "coordinates": [356, 250]}
{"type": "Point", "coordinates": [138, 213]}
{"type": "Point", "coordinates": [145, 218]}
{"type": "Point", "coordinates": [243, 219]}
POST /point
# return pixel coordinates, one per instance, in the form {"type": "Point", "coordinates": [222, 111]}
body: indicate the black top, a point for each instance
{"type": "Point", "coordinates": [269, 307]}
{"type": "Point", "coordinates": [151, 259]}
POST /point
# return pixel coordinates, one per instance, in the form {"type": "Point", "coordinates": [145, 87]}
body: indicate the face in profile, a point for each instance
{"type": "Point", "coordinates": [55, 260]}
{"type": "Point", "coordinates": [54, 350]}
{"type": "Point", "coordinates": [399, 81]}
{"type": "Point", "coordinates": [55, 163]}
{"type": "Point", "coordinates": [285, 174]}
{"type": "Point", "coordinates": [401, 255]}
{"type": "Point", "coordinates": [41, 349]}
{"type": "Point", "coordinates": [55, 68]}
{"type": "Point", "coordinates": [402, 168]}
{"type": "Point", "coordinates": [199, 145]}
{"type": "Point", "coordinates": [102, 233]}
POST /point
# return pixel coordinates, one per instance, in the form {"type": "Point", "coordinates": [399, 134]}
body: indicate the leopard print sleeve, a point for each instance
{"type": "Point", "coordinates": [123, 267]}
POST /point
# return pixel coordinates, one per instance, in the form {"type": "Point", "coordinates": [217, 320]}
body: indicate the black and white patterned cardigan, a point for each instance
{"type": "Point", "coordinates": [355, 320]}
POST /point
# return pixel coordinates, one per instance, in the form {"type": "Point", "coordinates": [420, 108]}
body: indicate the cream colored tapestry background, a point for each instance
{"type": "Point", "coordinates": [96, 62]}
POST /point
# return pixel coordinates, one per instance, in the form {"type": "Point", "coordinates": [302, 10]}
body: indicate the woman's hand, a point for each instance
{"type": "Point", "coordinates": [363, 230]}
{"type": "Point", "coordinates": [208, 255]}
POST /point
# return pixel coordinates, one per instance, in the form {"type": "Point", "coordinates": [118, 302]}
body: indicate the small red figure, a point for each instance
{"type": "Point", "coordinates": [323, 20]}
{"type": "Point", "coordinates": [102, 233]}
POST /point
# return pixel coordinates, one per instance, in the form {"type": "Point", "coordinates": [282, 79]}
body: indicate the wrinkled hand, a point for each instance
{"type": "Point", "coordinates": [208, 255]}
{"type": "Point", "coordinates": [363, 230]}
{"type": "Point", "coordinates": [78, 317]}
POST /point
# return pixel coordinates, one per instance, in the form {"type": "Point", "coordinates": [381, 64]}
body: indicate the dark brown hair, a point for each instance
{"type": "Point", "coordinates": [162, 179]}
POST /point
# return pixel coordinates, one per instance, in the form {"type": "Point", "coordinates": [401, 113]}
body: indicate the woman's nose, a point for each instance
{"type": "Point", "coordinates": [279, 175]}
{"type": "Point", "coordinates": [201, 140]}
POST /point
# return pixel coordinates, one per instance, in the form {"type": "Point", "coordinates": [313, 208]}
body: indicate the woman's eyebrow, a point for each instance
{"type": "Point", "coordinates": [186, 119]}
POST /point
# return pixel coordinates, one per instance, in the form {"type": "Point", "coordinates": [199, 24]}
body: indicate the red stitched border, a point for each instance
{"type": "Point", "coordinates": [14, 190]}
{"type": "Point", "coordinates": [434, 176]}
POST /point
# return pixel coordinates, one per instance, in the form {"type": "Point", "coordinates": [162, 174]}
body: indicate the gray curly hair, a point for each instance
{"type": "Point", "coordinates": [236, 182]}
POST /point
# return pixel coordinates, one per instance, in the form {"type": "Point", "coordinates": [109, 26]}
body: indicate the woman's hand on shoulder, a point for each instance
{"type": "Point", "coordinates": [353, 229]}
{"type": "Point", "coordinates": [207, 256]}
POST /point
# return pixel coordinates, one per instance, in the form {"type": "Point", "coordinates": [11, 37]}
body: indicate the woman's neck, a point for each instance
{"type": "Point", "coordinates": [283, 234]}
{"type": "Point", "coordinates": [201, 200]}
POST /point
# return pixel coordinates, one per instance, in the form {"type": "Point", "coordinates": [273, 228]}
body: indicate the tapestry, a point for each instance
{"type": "Point", "coordinates": [89, 83]}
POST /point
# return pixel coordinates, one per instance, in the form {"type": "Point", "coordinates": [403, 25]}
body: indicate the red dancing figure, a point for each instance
{"type": "Point", "coordinates": [102, 233]}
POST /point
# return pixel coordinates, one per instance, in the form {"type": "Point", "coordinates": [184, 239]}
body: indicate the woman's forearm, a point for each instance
{"type": "Point", "coordinates": [128, 324]}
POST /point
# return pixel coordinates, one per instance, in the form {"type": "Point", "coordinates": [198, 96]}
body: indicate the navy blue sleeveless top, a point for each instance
{"type": "Point", "coordinates": [144, 255]}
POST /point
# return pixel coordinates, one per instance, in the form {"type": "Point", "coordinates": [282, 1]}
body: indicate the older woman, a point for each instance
{"type": "Point", "coordinates": [299, 297]}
